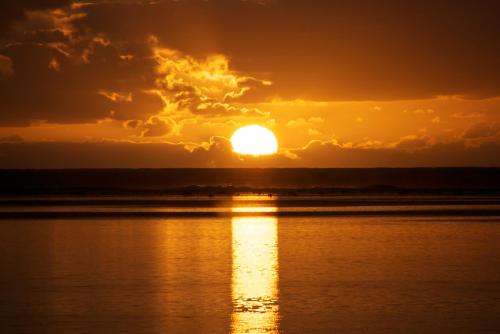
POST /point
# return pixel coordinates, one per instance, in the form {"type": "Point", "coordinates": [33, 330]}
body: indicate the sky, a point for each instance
{"type": "Point", "coordinates": [129, 83]}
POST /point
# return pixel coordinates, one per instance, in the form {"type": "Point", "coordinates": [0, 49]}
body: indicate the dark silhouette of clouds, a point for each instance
{"type": "Point", "coordinates": [330, 49]}
{"type": "Point", "coordinates": [482, 130]}
{"type": "Point", "coordinates": [320, 50]}
{"type": "Point", "coordinates": [219, 154]}
{"type": "Point", "coordinates": [72, 91]}
{"type": "Point", "coordinates": [12, 10]}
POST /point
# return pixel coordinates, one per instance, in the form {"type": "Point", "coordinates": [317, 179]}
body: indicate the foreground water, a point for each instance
{"type": "Point", "coordinates": [249, 268]}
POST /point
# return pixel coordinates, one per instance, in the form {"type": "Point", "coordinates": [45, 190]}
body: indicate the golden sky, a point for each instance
{"type": "Point", "coordinates": [165, 83]}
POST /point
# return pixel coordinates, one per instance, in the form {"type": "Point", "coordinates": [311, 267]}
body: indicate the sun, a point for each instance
{"type": "Point", "coordinates": [254, 140]}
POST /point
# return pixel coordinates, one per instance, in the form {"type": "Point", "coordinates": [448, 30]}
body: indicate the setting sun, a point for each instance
{"type": "Point", "coordinates": [254, 140]}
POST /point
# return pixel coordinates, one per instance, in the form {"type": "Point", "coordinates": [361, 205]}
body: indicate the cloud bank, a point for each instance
{"type": "Point", "coordinates": [217, 153]}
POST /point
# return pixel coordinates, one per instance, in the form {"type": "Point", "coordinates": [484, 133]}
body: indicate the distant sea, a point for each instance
{"type": "Point", "coordinates": [231, 181]}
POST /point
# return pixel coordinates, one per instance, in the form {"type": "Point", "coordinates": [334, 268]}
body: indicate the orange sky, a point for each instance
{"type": "Point", "coordinates": [165, 83]}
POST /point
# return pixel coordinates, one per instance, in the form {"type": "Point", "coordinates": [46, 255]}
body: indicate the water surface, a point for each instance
{"type": "Point", "coordinates": [253, 273]}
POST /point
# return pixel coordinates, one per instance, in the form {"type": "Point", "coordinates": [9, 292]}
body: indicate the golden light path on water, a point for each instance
{"type": "Point", "coordinates": [254, 273]}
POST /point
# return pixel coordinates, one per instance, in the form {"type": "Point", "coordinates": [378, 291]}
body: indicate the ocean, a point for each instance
{"type": "Point", "coordinates": [250, 264]}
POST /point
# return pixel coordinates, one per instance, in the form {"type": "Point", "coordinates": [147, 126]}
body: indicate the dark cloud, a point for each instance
{"type": "Point", "coordinates": [157, 127]}
{"type": "Point", "coordinates": [331, 154]}
{"type": "Point", "coordinates": [329, 49]}
{"type": "Point", "coordinates": [11, 139]}
{"type": "Point", "coordinates": [413, 142]}
{"type": "Point", "coordinates": [6, 68]}
{"type": "Point", "coordinates": [127, 60]}
{"type": "Point", "coordinates": [108, 154]}
{"type": "Point", "coordinates": [252, 90]}
{"type": "Point", "coordinates": [218, 153]}
{"type": "Point", "coordinates": [482, 130]}
{"type": "Point", "coordinates": [49, 85]}
{"type": "Point", "coordinates": [12, 10]}
{"type": "Point", "coordinates": [132, 124]}
{"type": "Point", "coordinates": [65, 70]}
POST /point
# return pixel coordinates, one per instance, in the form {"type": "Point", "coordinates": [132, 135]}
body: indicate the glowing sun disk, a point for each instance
{"type": "Point", "coordinates": [254, 140]}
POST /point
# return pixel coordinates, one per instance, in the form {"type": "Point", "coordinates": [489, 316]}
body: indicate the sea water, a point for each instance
{"type": "Point", "coordinates": [251, 269]}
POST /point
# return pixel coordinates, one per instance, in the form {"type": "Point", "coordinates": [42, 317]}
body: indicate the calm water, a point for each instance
{"type": "Point", "coordinates": [251, 274]}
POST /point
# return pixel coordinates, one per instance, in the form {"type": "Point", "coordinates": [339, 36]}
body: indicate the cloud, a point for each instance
{"type": "Point", "coordinates": [214, 153]}
{"type": "Point", "coordinates": [468, 115]}
{"type": "Point", "coordinates": [75, 76]}
{"type": "Point", "coordinates": [332, 154]}
{"type": "Point", "coordinates": [11, 139]}
{"type": "Point", "coordinates": [132, 124]}
{"type": "Point", "coordinates": [313, 132]}
{"type": "Point", "coordinates": [482, 130]}
{"type": "Point", "coordinates": [157, 127]}
{"type": "Point", "coordinates": [49, 85]}
{"type": "Point", "coordinates": [182, 53]}
{"type": "Point", "coordinates": [252, 90]}
{"type": "Point", "coordinates": [302, 122]}
{"type": "Point", "coordinates": [301, 46]}
{"type": "Point", "coordinates": [205, 86]}
{"type": "Point", "coordinates": [12, 10]}
{"type": "Point", "coordinates": [152, 67]}
{"type": "Point", "coordinates": [217, 153]}
{"type": "Point", "coordinates": [6, 68]}
{"type": "Point", "coordinates": [412, 142]}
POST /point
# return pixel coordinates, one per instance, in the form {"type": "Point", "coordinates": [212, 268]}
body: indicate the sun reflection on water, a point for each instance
{"type": "Point", "coordinates": [255, 273]}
